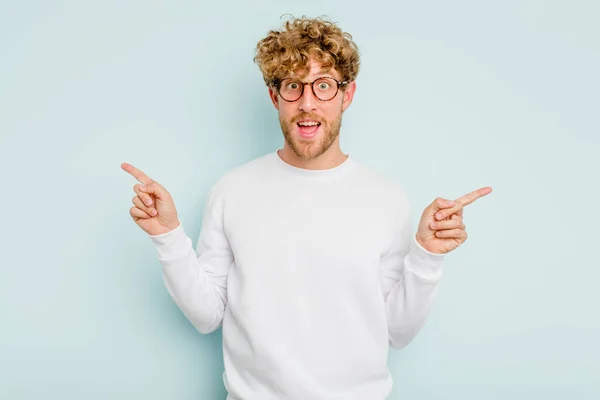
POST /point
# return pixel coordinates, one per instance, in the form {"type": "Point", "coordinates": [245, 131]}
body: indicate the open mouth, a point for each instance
{"type": "Point", "coordinates": [308, 129]}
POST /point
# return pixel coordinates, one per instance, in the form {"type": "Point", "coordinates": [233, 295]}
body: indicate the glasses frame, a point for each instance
{"type": "Point", "coordinates": [277, 84]}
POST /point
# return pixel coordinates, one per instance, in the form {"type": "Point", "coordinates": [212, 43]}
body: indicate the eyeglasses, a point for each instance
{"type": "Point", "coordinates": [324, 88]}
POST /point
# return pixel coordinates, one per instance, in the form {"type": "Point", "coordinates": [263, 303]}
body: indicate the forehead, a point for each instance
{"type": "Point", "coordinates": [314, 70]}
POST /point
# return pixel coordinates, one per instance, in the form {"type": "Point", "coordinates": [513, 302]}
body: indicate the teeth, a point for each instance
{"type": "Point", "coordinates": [308, 123]}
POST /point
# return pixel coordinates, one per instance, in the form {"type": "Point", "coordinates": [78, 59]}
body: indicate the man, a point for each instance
{"type": "Point", "coordinates": [305, 257]}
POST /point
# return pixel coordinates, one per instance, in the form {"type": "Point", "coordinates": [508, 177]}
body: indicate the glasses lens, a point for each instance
{"type": "Point", "coordinates": [290, 89]}
{"type": "Point", "coordinates": [325, 88]}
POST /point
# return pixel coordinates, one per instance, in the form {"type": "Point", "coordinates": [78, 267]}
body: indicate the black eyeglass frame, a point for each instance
{"type": "Point", "coordinates": [277, 83]}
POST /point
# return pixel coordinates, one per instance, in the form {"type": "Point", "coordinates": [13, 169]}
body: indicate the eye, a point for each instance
{"type": "Point", "coordinates": [323, 85]}
{"type": "Point", "coordinates": [293, 86]}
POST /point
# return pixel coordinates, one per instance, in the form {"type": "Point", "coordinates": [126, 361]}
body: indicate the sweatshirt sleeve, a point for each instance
{"type": "Point", "coordinates": [197, 280]}
{"type": "Point", "coordinates": [409, 276]}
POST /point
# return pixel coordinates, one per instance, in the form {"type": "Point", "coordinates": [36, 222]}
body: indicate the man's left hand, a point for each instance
{"type": "Point", "coordinates": [441, 228]}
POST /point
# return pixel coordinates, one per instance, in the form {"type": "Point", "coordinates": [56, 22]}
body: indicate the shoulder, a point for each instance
{"type": "Point", "coordinates": [243, 176]}
{"type": "Point", "coordinates": [382, 184]}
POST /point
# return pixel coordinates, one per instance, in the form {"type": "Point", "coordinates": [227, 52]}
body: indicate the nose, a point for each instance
{"type": "Point", "coordinates": [307, 102]}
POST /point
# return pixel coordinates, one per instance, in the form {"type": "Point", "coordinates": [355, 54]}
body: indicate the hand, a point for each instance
{"type": "Point", "coordinates": [154, 209]}
{"type": "Point", "coordinates": [441, 228]}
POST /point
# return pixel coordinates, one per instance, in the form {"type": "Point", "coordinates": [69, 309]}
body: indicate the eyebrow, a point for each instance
{"type": "Point", "coordinates": [318, 77]}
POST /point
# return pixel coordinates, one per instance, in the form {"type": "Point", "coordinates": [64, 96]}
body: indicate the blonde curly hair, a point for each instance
{"type": "Point", "coordinates": [284, 52]}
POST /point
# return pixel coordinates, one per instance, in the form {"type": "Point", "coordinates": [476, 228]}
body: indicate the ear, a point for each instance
{"type": "Point", "coordinates": [348, 95]}
{"type": "Point", "coordinates": [274, 97]}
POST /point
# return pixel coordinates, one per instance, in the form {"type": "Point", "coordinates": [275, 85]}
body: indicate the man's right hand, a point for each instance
{"type": "Point", "coordinates": [154, 209]}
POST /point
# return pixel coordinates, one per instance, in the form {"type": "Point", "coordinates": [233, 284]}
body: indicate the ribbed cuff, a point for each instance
{"type": "Point", "coordinates": [420, 249]}
{"type": "Point", "coordinates": [172, 244]}
{"type": "Point", "coordinates": [423, 262]}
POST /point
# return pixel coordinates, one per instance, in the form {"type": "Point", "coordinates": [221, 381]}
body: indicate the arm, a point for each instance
{"type": "Point", "coordinates": [197, 281]}
{"type": "Point", "coordinates": [409, 277]}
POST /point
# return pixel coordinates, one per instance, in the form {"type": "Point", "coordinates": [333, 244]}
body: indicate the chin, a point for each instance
{"type": "Point", "coordinates": [308, 149]}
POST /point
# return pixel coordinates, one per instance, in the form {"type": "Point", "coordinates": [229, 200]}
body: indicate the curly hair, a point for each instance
{"type": "Point", "coordinates": [289, 50]}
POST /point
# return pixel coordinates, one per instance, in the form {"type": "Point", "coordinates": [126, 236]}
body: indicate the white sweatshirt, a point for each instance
{"type": "Point", "coordinates": [312, 274]}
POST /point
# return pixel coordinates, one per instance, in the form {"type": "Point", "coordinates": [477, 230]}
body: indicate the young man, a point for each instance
{"type": "Point", "coordinates": [305, 257]}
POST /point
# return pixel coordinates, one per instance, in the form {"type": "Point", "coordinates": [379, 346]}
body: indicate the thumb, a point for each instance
{"type": "Point", "coordinates": [155, 189]}
{"type": "Point", "coordinates": [439, 204]}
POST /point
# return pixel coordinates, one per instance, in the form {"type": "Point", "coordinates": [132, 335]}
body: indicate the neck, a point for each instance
{"type": "Point", "coordinates": [330, 159]}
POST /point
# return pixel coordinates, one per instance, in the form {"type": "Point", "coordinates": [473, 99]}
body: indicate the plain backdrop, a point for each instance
{"type": "Point", "coordinates": [451, 97]}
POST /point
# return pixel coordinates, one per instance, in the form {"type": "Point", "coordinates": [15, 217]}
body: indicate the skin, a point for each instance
{"type": "Point", "coordinates": [441, 228]}
{"type": "Point", "coordinates": [322, 151]}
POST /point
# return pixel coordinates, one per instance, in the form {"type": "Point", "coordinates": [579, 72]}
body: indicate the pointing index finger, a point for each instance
{"type": "Point", "coordinates": [474, 195]}
{"type": "Point", "coordinates": [136, 173]}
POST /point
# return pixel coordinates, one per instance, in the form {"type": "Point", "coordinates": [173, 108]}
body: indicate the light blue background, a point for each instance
{"type": "Point", "coordinates": [452, 96]}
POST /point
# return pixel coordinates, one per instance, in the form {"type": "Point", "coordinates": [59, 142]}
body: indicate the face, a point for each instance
{"type": "Point", "coordinates": [298, 118]}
